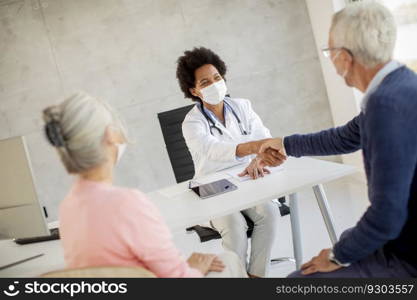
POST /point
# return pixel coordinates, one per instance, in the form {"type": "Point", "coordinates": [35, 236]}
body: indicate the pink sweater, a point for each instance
{"type": "Point", "coordinates": [104, 225]}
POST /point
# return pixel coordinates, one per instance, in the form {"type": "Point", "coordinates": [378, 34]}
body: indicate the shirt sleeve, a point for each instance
{"type": "Point", "coordinates": [150, 240]}
{"type": "Point", "coordinates": [340, 140]}
{"type": "Point", "coordinates": [200, 141]}
{"type": "Point", "coordinates": [392, 153]}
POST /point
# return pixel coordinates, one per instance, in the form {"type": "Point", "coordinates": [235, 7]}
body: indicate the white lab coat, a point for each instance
{"type": "Point", "coordinates": [214, 152]}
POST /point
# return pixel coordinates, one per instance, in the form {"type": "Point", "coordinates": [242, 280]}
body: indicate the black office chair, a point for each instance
{"type": "Point", "coordinates": [183, 166]}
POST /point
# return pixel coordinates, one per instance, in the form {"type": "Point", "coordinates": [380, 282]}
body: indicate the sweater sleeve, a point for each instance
{"type": "Point", "coordinates": [392, 153]}
{"type": "Point", "coordinates": [341, 140]}
{"type": "Point", "coordinates": [150, 240]}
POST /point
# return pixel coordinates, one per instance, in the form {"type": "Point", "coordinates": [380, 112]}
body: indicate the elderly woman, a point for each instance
{"type": "Point", "coordinates": [105, 225]}
{"type": "Point", "coordinates": [383, 243]}
{"type": "Point", "coordinates": [221, 132]}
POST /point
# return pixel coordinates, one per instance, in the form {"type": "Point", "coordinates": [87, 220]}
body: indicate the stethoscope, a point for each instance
{"type": "Point", "coordinates": [212, 124]}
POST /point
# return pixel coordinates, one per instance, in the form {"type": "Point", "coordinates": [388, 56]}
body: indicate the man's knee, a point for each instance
{"type": "Point", "coordinates": [296, 274]}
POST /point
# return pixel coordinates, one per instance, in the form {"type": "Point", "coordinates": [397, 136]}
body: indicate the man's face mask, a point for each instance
{"type": "Point", "coordinates": [345, 72]}
{"type": "Point", "coordinates": [214, 93]}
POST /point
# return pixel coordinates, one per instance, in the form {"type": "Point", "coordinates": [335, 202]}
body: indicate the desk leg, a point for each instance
{"type": "Point", "coordinates": [295, 229]}
{"type": "Point", "coordinates": [325, 212]}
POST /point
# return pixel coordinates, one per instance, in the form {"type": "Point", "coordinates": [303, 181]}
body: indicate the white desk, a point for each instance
{"type": "Point", "coordinates": [53, 258]}
{"type": "Point", "coordinates": [181, 208]}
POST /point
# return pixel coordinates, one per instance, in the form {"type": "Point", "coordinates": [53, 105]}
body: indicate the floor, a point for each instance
{"type": "Point", "coordinates": [348, 201]}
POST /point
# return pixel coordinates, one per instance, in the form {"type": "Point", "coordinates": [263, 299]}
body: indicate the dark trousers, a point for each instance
{"type": "Point", "coordinates": [377, 265]}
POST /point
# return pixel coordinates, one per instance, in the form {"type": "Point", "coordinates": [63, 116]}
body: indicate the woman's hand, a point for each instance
{"type": "Point", "coordinates": [217, 265]}
{"type": "Point", "coordinates": [255, 169]}
{"type": "Point", "coordinates": [272, 152]}
{"type": "Point", "coordinates": [249, 148]}
{"type": "Point", "coordinates": [205, 263]}
{"type": "Point", "coordinates": [272, 157]}
{"type": "Point", "coordinates": [275, 143]}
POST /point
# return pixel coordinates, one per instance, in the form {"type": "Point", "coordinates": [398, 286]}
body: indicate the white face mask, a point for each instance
{"type": "Point", "coordinates": [214, 93]}
{"type": "Point", "coordinates": [120, 150]}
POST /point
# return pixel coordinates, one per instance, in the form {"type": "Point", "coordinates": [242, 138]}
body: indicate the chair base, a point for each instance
{"type": "Point", "coordinates": [279, 260]}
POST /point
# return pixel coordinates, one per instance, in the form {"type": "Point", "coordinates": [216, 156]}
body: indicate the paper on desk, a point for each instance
{"type": "Point", "coordinates": [234, 172]}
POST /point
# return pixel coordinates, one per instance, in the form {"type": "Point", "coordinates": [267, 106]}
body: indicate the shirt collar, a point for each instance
{"type": "Point", "coordinates": [377, 80]}
{"type": "Point", "coordinates": [211, 114]}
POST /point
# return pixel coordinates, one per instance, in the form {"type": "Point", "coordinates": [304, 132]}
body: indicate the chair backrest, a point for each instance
{"type": "Point", "coordinates": [101, 272]}
{"type": "Point", "coordinates": [180, 157]}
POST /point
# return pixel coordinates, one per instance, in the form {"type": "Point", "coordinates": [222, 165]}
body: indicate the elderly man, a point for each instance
{"type": "Point", "coordinates": [384, 241]}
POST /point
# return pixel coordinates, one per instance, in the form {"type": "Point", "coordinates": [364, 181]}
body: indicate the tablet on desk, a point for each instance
{"type": "Point", "coordinates": [214, 188]}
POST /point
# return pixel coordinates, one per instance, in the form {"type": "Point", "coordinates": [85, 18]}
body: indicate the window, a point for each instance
{"type": "Point", "coordinates": [405, 14]}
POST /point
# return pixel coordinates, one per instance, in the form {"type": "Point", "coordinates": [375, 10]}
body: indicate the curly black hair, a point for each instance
{"type": "Point", "coordinates": [191, 61]}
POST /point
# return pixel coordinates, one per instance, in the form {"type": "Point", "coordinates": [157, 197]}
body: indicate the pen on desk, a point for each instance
{"type": "Point", "coordinates": [20, 261]}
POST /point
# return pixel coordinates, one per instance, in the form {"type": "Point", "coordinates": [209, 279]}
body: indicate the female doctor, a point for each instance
{"type": "Point", "coordinates": [221, 132]}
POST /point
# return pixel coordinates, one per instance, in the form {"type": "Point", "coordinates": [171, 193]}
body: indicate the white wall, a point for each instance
{"type": "Point", "coordinates": [125, 52]}
{"type": "Point", "coordinates": [343, 100]}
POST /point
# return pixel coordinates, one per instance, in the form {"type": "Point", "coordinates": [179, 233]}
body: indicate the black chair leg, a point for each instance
{"type": "Point", "coordinates": [283, 208]}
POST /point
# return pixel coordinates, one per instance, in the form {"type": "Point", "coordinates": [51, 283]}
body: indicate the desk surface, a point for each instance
{"type": "Point", "coordinates": [53, 258]}
{"type": "Point", "coordinates": [181, 208]}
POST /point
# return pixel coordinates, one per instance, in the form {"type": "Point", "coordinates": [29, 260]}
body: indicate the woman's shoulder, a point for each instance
{"type": "Point", "coordinates": [108, 198]}
{"type": "Point", "coordinates": [134, 201]}
{"type": "Point", "coordinates": [129, 194]}
{"type": "Point", "coordinates": [195, 111]}
{"type": "Point", "coordinates": [238, 102]}
{"type": "Point", "coordinates": [138, 205]}
{"type": "Point", "coordinates": [194, 119]}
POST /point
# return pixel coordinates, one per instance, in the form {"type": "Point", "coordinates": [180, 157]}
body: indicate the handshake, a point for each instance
{"type": "Point", "coordinates": [270, 153]}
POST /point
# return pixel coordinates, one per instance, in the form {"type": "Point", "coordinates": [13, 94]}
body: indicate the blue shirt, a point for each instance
{"type": "Point", "coordinates": [212, 115]}
{"type": "Point", "coordinates": [377, 80]}
{"type": "Point", "coordinates": [387, 134]}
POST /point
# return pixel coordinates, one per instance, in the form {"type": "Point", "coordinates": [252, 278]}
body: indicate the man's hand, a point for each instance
{"type": "Point", "coordinates": [272, 157]}
{"type": "Point", "coordinates": [272, 152]}
{"type": "Point", "coordinates": [276, 144]}
{"type": "Point", "coordinates": [320, 263]}
{"type": "Point", "coordinates": [255, 169]}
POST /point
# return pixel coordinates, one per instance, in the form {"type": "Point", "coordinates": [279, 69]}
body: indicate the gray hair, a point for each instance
{"type": "Point", "coordinates": [76, 128]}
{"type": "Point", "coordinates": [368, 30]}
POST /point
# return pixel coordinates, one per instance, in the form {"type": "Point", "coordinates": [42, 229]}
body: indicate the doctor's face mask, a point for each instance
{"type": "Point", "coordinates": [214, 93]}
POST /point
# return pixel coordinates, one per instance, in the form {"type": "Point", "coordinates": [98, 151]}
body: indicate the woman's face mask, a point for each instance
{"type": "Point", "coordinates": [121, 148]}
{"type": "Point", "coordinates": [214, 93]}
{"type": "Point", "coordinates": [120, 142]}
